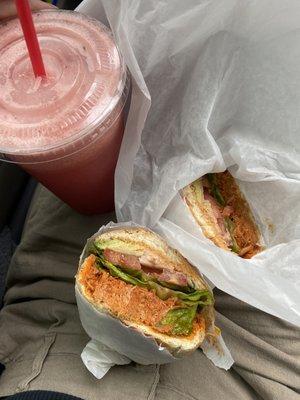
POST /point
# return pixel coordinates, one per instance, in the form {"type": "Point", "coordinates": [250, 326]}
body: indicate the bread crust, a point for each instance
{"type": "Point", "coordinates": [203, 215]}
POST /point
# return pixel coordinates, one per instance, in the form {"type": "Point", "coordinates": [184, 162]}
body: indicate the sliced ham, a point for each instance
{"type": "Point", "coordinates": [151, 270]}
{"type": "Point", "coordinates": [122, 260]}
{"type": "Point", "coordinates": [148, 261]}
{"type": "Point", "coordinates": [219, 216]}
{"type": "Point", "coordinates": [133, 262]}
{"type": "Point", "coordinates": [173, 277]}
{"type": "Point", "coordinates": [166, 275]}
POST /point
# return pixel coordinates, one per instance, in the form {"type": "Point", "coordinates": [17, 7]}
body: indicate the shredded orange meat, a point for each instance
{"type": "Point", "coordinates": [126, 301]}
{"type": "Point", "coordinates": [245, 232]}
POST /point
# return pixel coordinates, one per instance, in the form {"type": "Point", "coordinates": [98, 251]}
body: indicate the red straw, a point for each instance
{"type": "Point", "coordinates": [25, 16]}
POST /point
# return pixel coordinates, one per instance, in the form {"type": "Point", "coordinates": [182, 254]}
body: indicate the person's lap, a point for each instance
{"type": "Point", "coordinates": [41, 337]}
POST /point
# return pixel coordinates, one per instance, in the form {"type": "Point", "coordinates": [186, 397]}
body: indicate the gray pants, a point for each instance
{"type": "Point", "coordinates": [41, 337]}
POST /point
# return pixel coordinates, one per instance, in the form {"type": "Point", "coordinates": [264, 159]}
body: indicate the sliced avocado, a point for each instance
{"type": "Point", "coordinates": [117, 245]}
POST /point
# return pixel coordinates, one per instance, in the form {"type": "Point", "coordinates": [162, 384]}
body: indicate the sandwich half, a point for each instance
{"type": "Point", "coordinates": [222, 212]}
{"type": "Point", "coordinates": [135, 276]}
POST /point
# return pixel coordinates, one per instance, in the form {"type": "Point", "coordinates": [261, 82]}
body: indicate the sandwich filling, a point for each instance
{"type": "Point", "coordinates": [231, 214]}
{"type": "Point", "coordinates": [135, 291]}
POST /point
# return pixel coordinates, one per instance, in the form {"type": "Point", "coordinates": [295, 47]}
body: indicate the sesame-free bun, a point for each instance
{"type": "Point", "coordinates": [142, 242]}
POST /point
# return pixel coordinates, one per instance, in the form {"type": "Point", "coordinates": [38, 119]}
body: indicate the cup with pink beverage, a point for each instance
{"type": "Point", "coordinates": [65, 129]}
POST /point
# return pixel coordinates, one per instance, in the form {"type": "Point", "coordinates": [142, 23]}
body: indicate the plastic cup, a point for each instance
{"type": "Point", "coordinates": [65, 130]}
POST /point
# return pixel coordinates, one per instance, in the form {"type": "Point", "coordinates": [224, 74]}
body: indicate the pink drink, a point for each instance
{"type": "Point", "coordinates": [66, 130]}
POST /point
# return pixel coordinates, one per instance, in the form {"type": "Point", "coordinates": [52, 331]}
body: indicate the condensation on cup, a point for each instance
{"type": "Point", "coordinates": [65, 130]}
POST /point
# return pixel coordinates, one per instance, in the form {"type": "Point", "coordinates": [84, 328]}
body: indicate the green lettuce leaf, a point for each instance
{"type": "Point", "coordinates": [198, 297]}
{"type": "Point", "coordinates": [119, 273]}
{"type": "Point", "coordinates": [180, 319]}
{"type": "Point", "coordinates": [215, 192]}
{"type": "Point", "coordinates": [230, 227]}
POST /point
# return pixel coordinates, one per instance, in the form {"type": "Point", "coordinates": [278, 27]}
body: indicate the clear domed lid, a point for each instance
{"type": "Point", "coordinates": [85, 80]}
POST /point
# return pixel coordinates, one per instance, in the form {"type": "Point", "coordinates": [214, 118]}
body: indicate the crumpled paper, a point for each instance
{"type": "Point", "coordinates": [223, 77]}
{"type": "Point", "coordinates": [99, 358]}
{"type": "Point", "coordinates": [269, 281]}
{"type": "Point", "coordinates": [113, 343]}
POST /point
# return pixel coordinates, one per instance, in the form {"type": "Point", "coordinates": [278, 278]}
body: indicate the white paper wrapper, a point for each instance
{"type": "Point", "coordinates": [269, 281]}
{"type": "Point", "coordinates": [115, 343]}
{"type": "Point", "coordinates": [223, 76]}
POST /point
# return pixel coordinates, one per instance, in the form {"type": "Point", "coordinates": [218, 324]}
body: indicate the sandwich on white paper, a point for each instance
{"type": "Point", "coordinates": [135, 276]}
{"type": "Point", "coordinates": [223, 214]}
